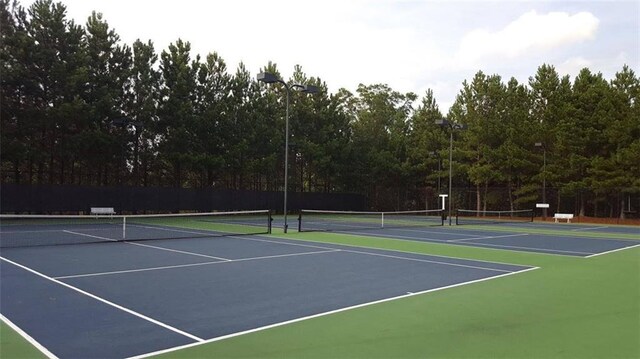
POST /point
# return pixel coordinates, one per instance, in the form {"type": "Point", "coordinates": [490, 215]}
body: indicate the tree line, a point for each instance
{"type": "Point", "coordinates": [79, 107]}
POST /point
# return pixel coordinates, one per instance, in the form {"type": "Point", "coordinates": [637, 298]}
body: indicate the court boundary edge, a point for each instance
{"type": "Point", "coordinates": [270, 326]}
{"type": "Point", "coordinates": [28, 338]}
{"type": "Point", "coordinates": [612, 251]}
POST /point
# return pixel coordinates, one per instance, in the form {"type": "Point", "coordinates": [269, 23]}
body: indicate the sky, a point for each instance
{"type": "Point", "coordinates": [410, 45]}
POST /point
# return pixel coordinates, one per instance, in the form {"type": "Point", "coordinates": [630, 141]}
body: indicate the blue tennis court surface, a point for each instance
{"type": "Point", "coordinates": [128, 299]}
{"type": "Point", "coordinates": [549, 238]}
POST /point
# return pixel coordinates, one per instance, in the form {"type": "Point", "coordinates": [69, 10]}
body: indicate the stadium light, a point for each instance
{"type": "Point", "coordinates": [270, 78]}
{"type": "Point", "coordinates": [544, 177]}
{"type": "Point", "coordinates": [451, 126]}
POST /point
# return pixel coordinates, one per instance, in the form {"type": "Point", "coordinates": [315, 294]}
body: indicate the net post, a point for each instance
{"type": "Point", "coordinates": [457, 214]}
{"type": "Point", "coordinates": [300, 221]}
{"type": "Point", "coordinates": [124, 227]}
{"type": "Point", "coordinates": [269, 221]}
{"type": "Point", "coordinates": [382, 220]}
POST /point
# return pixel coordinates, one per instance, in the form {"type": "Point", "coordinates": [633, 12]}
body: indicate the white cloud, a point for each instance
{"type": "Point", "coordinates": [531, 33]}
{"type": "Point", "coordinates": [409, 45]}
{"type": "Point", "coordinates": [573, 66]}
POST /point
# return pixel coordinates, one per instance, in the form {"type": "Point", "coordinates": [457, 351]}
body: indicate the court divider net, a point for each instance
{"type": "Point", "coordinates": [39, 230]}
{"type": "Point", "coordinates": [469, 216]}
{"type": "Point", "coordinates": [310, 220]}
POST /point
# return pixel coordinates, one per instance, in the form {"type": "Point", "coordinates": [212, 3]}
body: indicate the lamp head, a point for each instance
{"type": "Point", "coordinates": [268, 77]}
{"type": "Point", "coordinates": [310, 89]}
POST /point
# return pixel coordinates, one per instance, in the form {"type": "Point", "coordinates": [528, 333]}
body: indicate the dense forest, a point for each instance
{"type": "Point", "coordinates": [79, 107]}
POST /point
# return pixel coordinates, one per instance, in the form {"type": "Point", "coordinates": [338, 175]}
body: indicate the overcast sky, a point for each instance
{"type": "Point", "coordinates": [409, 45]}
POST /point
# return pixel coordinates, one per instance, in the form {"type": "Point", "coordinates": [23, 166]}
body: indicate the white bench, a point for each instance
{"type": "Point", "coordinates": [567, 216]}
{"type": "Point", "coordinates": [96, 211]}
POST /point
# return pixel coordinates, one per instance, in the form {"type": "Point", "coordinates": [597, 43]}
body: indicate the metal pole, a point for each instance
{"type": "Point", "coordinates": [439, 171]}
{"type": "Point", "coordinates": [450, 167]}
{"type": "Point", "coordinates": [286, 159]}
{"type": "Point", "coordinates": [270, 78]}
{"type": "Point", "coordinates": [544, 181]}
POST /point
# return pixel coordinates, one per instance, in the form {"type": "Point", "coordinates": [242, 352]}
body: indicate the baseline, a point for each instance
{"type": "Point", "coordinates": [612, 251]}
{"type": "Point", "coordinates": [275, 325]}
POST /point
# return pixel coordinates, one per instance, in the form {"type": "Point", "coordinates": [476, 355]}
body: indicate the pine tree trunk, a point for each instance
{"type": "Point", "coordinates": [478, 198]}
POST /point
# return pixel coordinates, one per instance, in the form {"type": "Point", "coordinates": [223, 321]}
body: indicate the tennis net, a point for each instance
{"type": "Point", "coordinates": [469, 216]}
{"type": "Point", "coordinates": [41, 230]}
{"type": "Point", "coordinates": [322, 220]}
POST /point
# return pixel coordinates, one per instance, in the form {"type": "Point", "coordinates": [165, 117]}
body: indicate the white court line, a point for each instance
{"type": "Point", "coordinates": [201, 231]}
{"type": "Point", "coordinates": [428, 261]}
{"type": "Point", "coordinates": [375, 226]}
{"type": "Point", "coordinates": [531, 249]}
{"type": "Point", "coordinates": [392, 236]}
{"type": "Point", "coordinates": [320, 247]}
{"type": "Point", "coordinates": [497, 246]}
{"type": "Point", "coordinates": [90, 236]}
{"type": "Point", "coordinates": [135, 270]}
{"type": "Point", "coordinates": [279, 242]}
{"type": "Point", "coordinates": [209, 232]}
{"type": "Point", "coordinates": [124, 309]}
{"type": "Point", "coordinates": [588, 228]}
{"type": "Point", "coordinates": [148, 245]}
{"type": "Point", "coordinates": [325, 314]}
{"type": "Point", "coordinates": [611, 251]}
{"type": "Point", "coordinates": [399, 257]}
{"type": "Point", "coordinates": [414, 239]}
{"type": "Point", "coordinates": [402, 229]}
{"type": "Point", "coordinates": [53, 230]}
{"type": "Point", "coordinates": [176, 251]}
{"type": "Point", "coordinates": [382, 255]}
{"type": "Point", "coordinates": [192, 264]}
{"type": "Point", "coordinates": [28, 338]}
{"type": "Point", "coordinates": [558, 232]}
{"type": "Point", "coordinates": [488, 237]}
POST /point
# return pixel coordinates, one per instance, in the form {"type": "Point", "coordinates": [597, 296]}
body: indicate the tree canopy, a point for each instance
{"type": "Point", "coordinates": [80, 107]}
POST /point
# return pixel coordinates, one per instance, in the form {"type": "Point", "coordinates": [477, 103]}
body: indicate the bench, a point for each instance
{"type": "Point", "coordinates": [96, 211]}
{"type": "Point", "coordinates": [567, 216]}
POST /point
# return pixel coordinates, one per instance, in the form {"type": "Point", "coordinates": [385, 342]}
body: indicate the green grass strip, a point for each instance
{"type": "Point", "coordinates": [13, 345]}
{"type": "Point", "coordinates": [570, 308]}
{"type": "Point", "coordinates": [551, 232]}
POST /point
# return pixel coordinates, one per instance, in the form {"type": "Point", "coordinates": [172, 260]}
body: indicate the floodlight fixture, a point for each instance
{"type": "Point", "coordinates": [270, 78]}
{"type": "Point", "coordinates": [443, 122]}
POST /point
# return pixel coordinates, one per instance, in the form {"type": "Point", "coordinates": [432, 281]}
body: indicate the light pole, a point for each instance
{"type": "Point", "coordinates": [270, 78]}
{"type": "Point", "coordinates": [544, 178]}
{"type": "Point", "coordinates": [451, 126]}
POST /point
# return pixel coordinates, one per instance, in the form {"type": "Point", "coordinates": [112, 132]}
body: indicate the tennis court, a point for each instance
{"type": "Point", "coordinates": [128, 298]}
{"type": "Point", "coordinates": [513, 232]}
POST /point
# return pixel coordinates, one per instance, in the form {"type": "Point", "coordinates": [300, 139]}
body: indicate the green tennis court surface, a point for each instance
{"type": "Point", "coordinates": [570, 307]}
